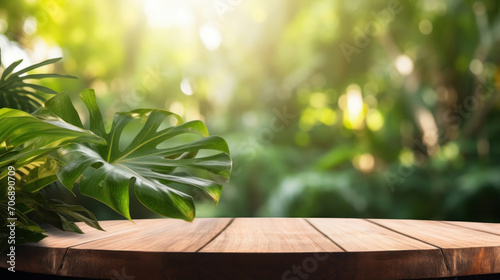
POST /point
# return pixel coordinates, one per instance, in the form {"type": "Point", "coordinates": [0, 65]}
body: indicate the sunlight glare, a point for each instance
{"type": "Point", "coordinates": [364, 162]}
{"type": "Point", "coordinates": [186, 87]}
{"type": "Point", "coordinates": [429, 128]}
{"type": "Point", "coordinates": [353, 116]}
{"type": "Point", "coordinates": [404, 65]}
{"type": "Point", "coordinates": [210, 37]}
{"type": "Point", "coordinates": [165, 14]}
{"type": "Point", "coordinates": [374, 120]}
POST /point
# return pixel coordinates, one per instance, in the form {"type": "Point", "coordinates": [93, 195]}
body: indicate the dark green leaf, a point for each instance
{"type": "Point", "coordinates": [38, 65]}
{"type": "Point", "coordinates": [107, 172]}
{"type": "Point", "coordinates": [9, 69]}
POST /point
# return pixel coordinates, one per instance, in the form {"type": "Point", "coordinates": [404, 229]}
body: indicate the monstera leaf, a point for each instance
{"type": "Point", "coordinates": [17, 93]}
{"type": "Point", "coordinates": [108, 172]}
{"type": "Point", "coordinates": [25, 138]}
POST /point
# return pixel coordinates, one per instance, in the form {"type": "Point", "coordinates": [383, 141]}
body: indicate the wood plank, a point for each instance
{"type": "Point", "coordinates": [46, 257]}
{"type": "Point", "coordinates": [51, 254]}
{"type": "Point", "coordinates": [442, 234]}
{"type": "Point", "coordinates": [466, 251]}
{"type": "Point", "coordinates": [103, 264]}
{"type": "Point", "coordinates": [162, 235]}
{"type": "Point", "coordinates": [389, 255]}
{"type": "Point", "coordinates": [268, 248]}
{"type": "Point", "coordinates": [356, 235]}
{"type": "Point", "coordinates": [268, 235]}
{"type": "Point", "coordinates": [486, 227]}
{"type": "Point", "coordinates": [248, 248]}
{"type": "Point", "coordinates": [64, 239]}
{"type": "Point", "coordinates": [242, 266]}
{"type": "Point", "coordinates": [159, 244]}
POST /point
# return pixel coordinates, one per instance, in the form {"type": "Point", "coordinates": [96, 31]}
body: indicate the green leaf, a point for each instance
{"type": "Point", "coordinates": [52, 211]}
{"type": "Point", "coordinates": [38, 65]}
{"type": "Point", "coordinates": [76, 212]}
{"type": "Point", "coordinates": [212, 188]}
{"type": "Point", "coordinates": [96, 122]}
{"type": "Point", "coordinates": [57, 213]}
{"type": "Point", "coordinates": [60, 107]}
{"type": "Point", "coordinates": [22, 236]}
{"type": "Point", "coordinates": [31, 138]}
{"type": "Point", "coordinates": [43, 76]}
{"type": "Point", "coordinates": [46, 131]}
{"type": "Point", "coordinates": [26, 229]}
{"type": "Point", "coordinates": [10, 68]}
{"type": "Point", "coordinates": [16, 93]}
{"type": "Point", "coordinates": [40, 88]}
{"type": "Point", "coordinates": [38, 174]}
{"type": "Point", "coordinates": [107, 172]}
{"type": "Point", "coordinates": [57, 220]}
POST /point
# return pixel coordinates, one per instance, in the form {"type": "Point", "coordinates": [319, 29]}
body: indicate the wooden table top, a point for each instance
{"type": "Point", "coordinates": [267, 248]}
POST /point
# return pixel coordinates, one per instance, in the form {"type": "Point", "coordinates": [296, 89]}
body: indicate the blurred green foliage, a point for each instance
{"type": "Point", "coordinates": [331, 108]}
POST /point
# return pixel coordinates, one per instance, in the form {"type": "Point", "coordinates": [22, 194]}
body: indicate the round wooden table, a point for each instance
{"type": "Point", "coordinates": [267, 248]}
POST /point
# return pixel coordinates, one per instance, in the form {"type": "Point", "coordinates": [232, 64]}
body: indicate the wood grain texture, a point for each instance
{"type": "Point", "coordinates": [392, 255]}
{"type": "Point", "coordinates": [356, 235]}
{"type": "Point", "coordinates": [162, 235]}
{"type": "Point", "coordinates": [47, 256]}
{"type": "Point", "coordinates": [466, 251]}
{"type": "Point", "coordinates": [63, 239]}
{"type": "Point", "coordinates": [486, 227]}
{"type": "Point", "coordinates": [270, 235]}
{"type": "Point", "coordinates": [268, 248]}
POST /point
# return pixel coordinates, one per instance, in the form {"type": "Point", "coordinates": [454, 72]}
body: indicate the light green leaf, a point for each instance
{"type": "Point", "coordinates": [10, 68]}
{"type": "Point", "coordinates": [31, 138]}
{"type": "Point", "coordinates": [38, 174]}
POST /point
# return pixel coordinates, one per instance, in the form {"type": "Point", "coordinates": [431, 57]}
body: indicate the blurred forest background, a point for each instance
{"type": "Point", "coordinates": [331, 108]}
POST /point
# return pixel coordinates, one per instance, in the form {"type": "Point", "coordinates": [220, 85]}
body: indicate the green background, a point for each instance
{"type": "Point", "coordinates": [330, 108]}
